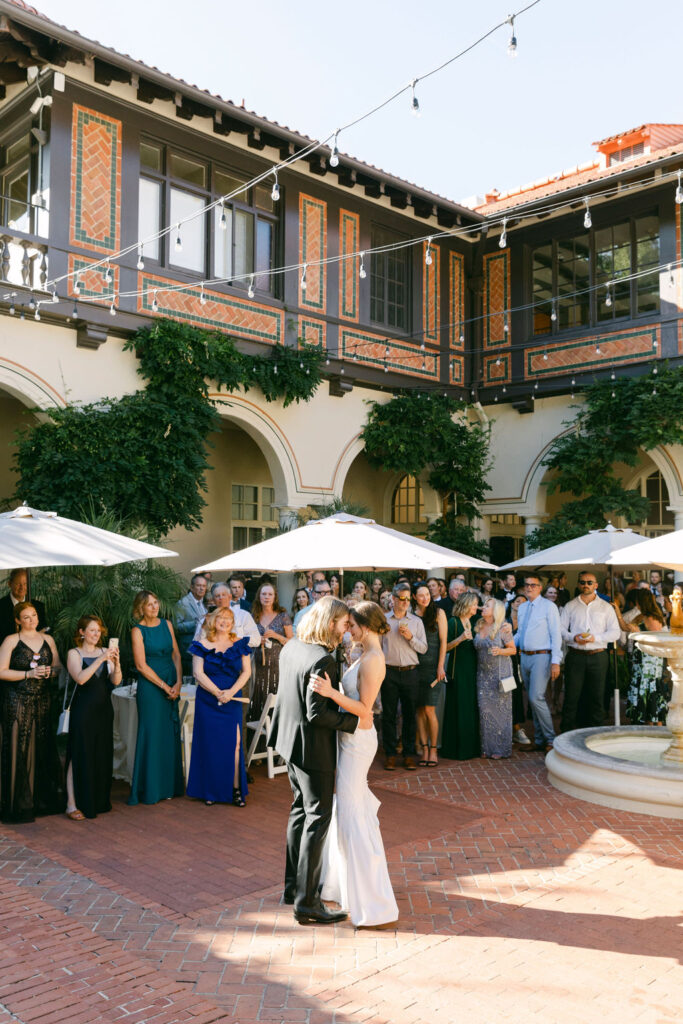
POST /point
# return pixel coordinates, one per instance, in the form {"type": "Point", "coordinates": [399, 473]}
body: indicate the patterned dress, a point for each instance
{"type": "Point", "coordinates": [267, 666]}
{"type": "Point", "coordinates": [495, 708]}
{"type": "Point", "coordinates": [647, 697]}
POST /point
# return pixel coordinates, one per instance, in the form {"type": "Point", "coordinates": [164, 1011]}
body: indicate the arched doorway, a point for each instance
{"type": "Point", "coordinates": [14, 415]}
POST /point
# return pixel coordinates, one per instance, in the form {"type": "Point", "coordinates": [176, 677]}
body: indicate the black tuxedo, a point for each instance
{"type": "Point", "coordinates": [8, 625]}
{"type": "Point", "coordinates": [304, 733]}
{"type": "Point", "coordinates": [244, 604]}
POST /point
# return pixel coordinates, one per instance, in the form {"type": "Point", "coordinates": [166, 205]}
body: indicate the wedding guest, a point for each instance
{"type": "Point", "coordinates": [460, 738]}
{"type": "Point", "coordinates": [361, 591]}
{"type": "Point", "coordinates": [275, 629]}
{"type": "Point", "coordinates": [402, 645]}
{"type": "Point", "coordinates": [519, 736]}
{"type": "Point", "coordinates": [494, 646]}
{"type": "Point", "coordinates": [550, 593]}
{"type": "Point", "coordinates": [617, 599]}
{"type": "Point", "coordinates": [158, 766]}
{"type": "Point", "coordinates": [508, 592]}
{"type": "Point", "coordinates": [647, 696]}
{"type": "Point", "coordinates": [376, 588]}
{"type": "Point", "coordinates": [539, 640]}
{"type": "Point", "coordinates": [94, 670]}
{"type": "Point", "coordinates": [431, 673]}
{"type": "Point", "coordinates": [18, 589]}
{"type": "Point", "coordinates": [588, 625]}
{"type": "Point", "coordinates": [487, 589]}
{"type": "Point", "coordinates": [238, 595]}
{"type": "Point", "coordinates": [321, 588]}
{"type": "Point", "coordinates": [563, 595]}
{"type": "Point", "coordinates": [335, 584]}
{"type": "Point", "coordinates": [190, 612]}
{"type": "Point", "coordinates": [244, 623]}
{"type": "Point", "coordinates": [385, 601]}
{"type": "Point", "coordinates": [221, 665]}
{"type": "Point", "coordinates": [301, 600]}
{"type": "Point", "coordinates": [31, 780]}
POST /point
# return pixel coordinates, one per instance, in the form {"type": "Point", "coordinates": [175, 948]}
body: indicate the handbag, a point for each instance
{"type": "Point", "coordinates": [506, 684]}
{"type": "Point", "coordinates": [63, 724]}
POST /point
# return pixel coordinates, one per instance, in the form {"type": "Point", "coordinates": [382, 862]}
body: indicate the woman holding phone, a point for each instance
{"type": "Point", "coordinates": [94, 670]}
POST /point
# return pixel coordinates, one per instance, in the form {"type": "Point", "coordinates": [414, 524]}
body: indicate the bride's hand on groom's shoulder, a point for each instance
{"type": "Point", "coordinates": [322, 685]}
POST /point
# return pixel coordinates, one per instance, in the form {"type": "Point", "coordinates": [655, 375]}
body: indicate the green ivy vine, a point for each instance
{"type": "Point", "coordinates": [144, 457]}
{"type": "Point", "coordinates": [414, 432]}
{"type": "Point", "coordinates": [615, 420]}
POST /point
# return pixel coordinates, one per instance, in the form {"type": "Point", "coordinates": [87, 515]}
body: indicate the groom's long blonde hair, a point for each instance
{"type": "Point", "coordinates": [317, 625]}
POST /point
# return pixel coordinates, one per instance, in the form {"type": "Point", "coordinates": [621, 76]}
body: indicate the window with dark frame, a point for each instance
{"type": "Point", "coordinates": [230, 242]}
{"type": "Point", "coordinates": [567, 272]}
{"type": "Point", "coordinates": [258, 512]}
{"type": "Point", "coordinates": [407, 503]}
{"type": "Point", "coordinates": [24, 180]}
{"type": "Point", "coordinates": [389, 281]}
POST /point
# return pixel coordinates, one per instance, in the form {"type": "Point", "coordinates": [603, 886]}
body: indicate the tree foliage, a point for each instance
{"type": "Point", "coordinates": [144, 457]}
{"type": "Point", "coordinates": [414, 432]}
{"type": "Point", "coordinates": [616, 420]}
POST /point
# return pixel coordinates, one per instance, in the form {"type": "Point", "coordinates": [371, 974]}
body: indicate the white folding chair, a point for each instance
{"type": "Point", "coordinates": [262, 728]}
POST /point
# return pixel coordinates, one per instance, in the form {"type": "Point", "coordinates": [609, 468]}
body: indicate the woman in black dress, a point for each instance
{"type": "Point", "coordinates": [90, 750]}
{"type": "Point", "coordinates": [31, 781]}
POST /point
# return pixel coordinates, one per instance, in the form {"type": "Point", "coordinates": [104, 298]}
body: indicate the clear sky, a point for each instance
{"type": "Point", "coordinates": [585, 70]}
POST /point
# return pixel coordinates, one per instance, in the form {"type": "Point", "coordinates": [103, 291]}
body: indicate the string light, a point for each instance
{"type": "Point", "coordinates": [414, 102]}
{"type": "Point", "coordinates": [303, 278]}
{"type": "Point", "coordinates": [223, 222]}
{"type": "Point", "coordinates": [587, 219]}
{"type": "Point", "coordinates": [275, 369]}
{"type": "Point", "coordinates": [275, 193]}
{"type": "Point", "coordinates": [250, 289]}
{"type": "Point", "coordinates": [77, 285]}
{"type": "Point", "coordinates": [36, 315]}
{"type": "Point", "coordinates": [553, 312]}
{"type": "Point", "coordinates": [74, 312]}
{"type": "Point", "coordinates": [112, 308]}
{"type": "Point", "coordinates": [155, 303]}
{"type": "Point", "coordinates": [12, 309]}
{"type": "Point", "coordinates": [498, 361]}
{"type": "Point", "coordinates": [545, 357]}
{"type": "Point", "coordinates": [55, 297]}
{"type": "Point", "coordinates": [608, 296]}
{"type": "Point", "coordinates": [597, 349]}
{"type": "Point", "coordinates": [428, 253]}
{"type": "Point", "coordinates": [31, 302]}
{"type": "Point", "coordinates": [202, 296]}
{"type": "Point", "coordinates": [679, 191]}
{"type": "Point", "coordinates": [140, 263]}
{"type": "Point", "coordinates": [512, 45]}
{"type": "Point", "coordinates": [178, 241]}
{"type": "Point", "coordinates": [334, 155]}
{"type": "Point", "coordinates": [503, 240]}
{"type": "Point", "coordinates": [506, 326]}
{"type": "Point", "coordinates": [107, 273]}
{"type": "Point", "coordinates": [361, 270]}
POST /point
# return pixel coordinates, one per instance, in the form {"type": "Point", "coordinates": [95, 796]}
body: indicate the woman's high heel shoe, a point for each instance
{"type": "Point", "coordinates": [237, 798]}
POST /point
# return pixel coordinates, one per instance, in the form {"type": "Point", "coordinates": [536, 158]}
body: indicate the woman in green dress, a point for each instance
{"type": "Point", "coordinates": [158, 769]}
{"type": "Point", "coordinates": [460, 739]}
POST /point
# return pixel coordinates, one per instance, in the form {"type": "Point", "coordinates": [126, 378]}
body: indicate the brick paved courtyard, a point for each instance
{"type": "Point", "coordinates": [516, 902]}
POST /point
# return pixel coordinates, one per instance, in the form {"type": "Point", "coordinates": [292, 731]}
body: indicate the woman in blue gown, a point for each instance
{"type": "Point", "coordinates": [222, 667]}
{"type": "Point", "coordinates": [158, 768]}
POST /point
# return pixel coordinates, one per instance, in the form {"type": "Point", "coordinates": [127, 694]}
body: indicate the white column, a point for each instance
{"type": "Point", "coordinates": [678, 516]}
{"type": "Point", "coordinates": [531, 523]}
{"type": "Point", "coordinates": [288, 517]}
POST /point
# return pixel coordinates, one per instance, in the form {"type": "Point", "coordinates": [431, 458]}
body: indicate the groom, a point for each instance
{"type": "Point", "coordinates": [304, 733]}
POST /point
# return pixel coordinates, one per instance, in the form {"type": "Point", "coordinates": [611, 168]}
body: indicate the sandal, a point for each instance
{"type": "Point", "coordinates": [237, 798]}
{"type": "Point", "coordinates": [75, 815]}
{"type": "Point", "coordinates": [424, 762]}
{"type": "Point", "coordinates": [431, 763]}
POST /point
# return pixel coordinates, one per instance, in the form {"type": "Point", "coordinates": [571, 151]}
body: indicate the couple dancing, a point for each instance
{"type": "Point", "coordinates": [334, 848]}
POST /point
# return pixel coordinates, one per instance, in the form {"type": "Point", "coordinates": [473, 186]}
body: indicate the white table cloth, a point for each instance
{"type": "Point", "coordinates": [126, 728]}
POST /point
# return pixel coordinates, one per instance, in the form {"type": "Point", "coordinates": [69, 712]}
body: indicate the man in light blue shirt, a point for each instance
{"type": "Point", "coordinates": [539, 642]}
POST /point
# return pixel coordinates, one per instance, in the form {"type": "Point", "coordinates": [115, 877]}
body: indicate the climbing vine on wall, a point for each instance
{"type": "Point", "coordinates": [144, 457]}
{"type": "Point", "coordinates": [616, 419]}
{"type": "Point", "coordinates": [414, 432]}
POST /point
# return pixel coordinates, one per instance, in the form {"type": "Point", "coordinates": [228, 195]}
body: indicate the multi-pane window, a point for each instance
{"type": "Point", "coordinates": [407, 504]}
{"type": "Point", "coordinates": [655, 490]}
{"type": "Point", "coordinates": [24, 179]}
{"type": "Point", "coordinates": [389, 281]}
{"type": "Point", "coordinates": [589, 278]}
{"type": "Point", "coordinates": [252, 505]}
{"type": "Point", "coordinates": [234, 240]}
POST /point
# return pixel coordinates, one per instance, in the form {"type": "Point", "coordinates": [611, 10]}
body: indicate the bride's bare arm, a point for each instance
{"type": "Point", "coordinates": [370, 678]}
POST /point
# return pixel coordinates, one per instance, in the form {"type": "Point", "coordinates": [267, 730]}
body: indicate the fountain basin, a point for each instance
{"type": "Point", "coordinates": [620, 768]}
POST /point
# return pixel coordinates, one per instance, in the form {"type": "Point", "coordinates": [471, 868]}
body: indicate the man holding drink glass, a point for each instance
{"type": "Point", "coordinates": [402, 644]}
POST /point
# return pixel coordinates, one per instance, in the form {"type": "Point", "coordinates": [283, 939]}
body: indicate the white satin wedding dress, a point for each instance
{"type": "Point", "coordinates": [355, 872]}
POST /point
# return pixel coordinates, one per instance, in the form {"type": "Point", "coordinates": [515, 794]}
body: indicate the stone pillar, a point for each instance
{"type": "Point", "coordinates": [678, 516]}
{"type": "Point", "coordinates": [288, 517]}
{"type": "Point", "coordinates": [531, 523]}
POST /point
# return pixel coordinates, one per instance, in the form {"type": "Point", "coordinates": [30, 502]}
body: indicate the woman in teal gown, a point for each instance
{"type": "Point", "coordinates": [460, 735]}
{"type": "Point", "coordinates": [158, 769]}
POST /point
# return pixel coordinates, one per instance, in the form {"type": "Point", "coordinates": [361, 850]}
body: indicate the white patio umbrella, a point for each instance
{"type": "Point", "coordinates": [343, 541]}
{"type": "Point", "coordinates": [30, 538]}
{"type": "Point", "coordinates": [665, 551]}
{"type": "Point", "coordinates": [593, 548]}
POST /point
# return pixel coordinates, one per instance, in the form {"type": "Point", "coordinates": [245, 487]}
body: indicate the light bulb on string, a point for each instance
{"type": "Point", "coordinates": [11, 309]}
{"type": "Point", "coordinates": [587, 219]}
{"type": "Point", "coordinates": [303, 278]}
{"type": "Point", "coordinates": [342, 370]}
{"type": "Point", "coordinates": [74, 312]}
{"type": "Point", "coordinates": [553, 312]}
{"type": "Point", "coordinates": [202, 296]}
{"type": "Point", "coordinates": [155, 303]}
{"type": "Point", "coordinates": [654, 370]}
{"type": "Point", "coordinates": [361, 270]}
{"type": "Point", "coordinates": [275, 193]}
{"type": "Point", "coordinates": [545, 357]}
{"type": "Point", "coordinates": [422, 345]}
{"type": "Point", "coordinates": [495, 398]}
{"type": "Point", "coordinates": [506, 325]}
{"type": "Point", "coordinates": [614, 394]}
{"type": "Point", "coordinates": [77, 285]}
{"type": "Point", "coordinates": [36, 315]}
{"type": "Point", "coordinates": [498, 361]}
{"type": "Point", "coordinates": [414, 102]}
{"type": "Point", "coordinates": [612, 375]}
{"type": "Point", "coordinates": [504, 390]}
{"type": "Point", "coordinates": [598, 350]}
{"type": "Point", "coordinates": [250, 289]}
{"type": "Point", "coordinates": [503, 240]}
{"type": "Point", "coordinates": [140, 263]}
{"type": "Point", "coordinates": [327, 361]}
{"type": "Point", "coordinates": [31, 302]}
{"type": "Point", "coordinates": [608, 297]}
{"type": "Point", "coordinates": [428, 253]}
{"type": "Point", "coordinates": [334, 155]}
{"type": "Point", "coordinates": [679, 191]}
{"type": "Point", "coordinates": [671, 274]}
{"type": "Point", "coordinates": [275, 369]}
{"type": "Point", "coordinates": [223, 222]}
{"type": "Point", "coordinates": [107, 273]}
{"type": "Point", "coordinates": [178, 240]}
{"type": "Point", "coordinates": [462, 338]}
{"type": "Point", "coordinates": [112, 308]}
{"type": "Point", "coordinates": [512, 44]}
{"type": "Point", "coordinates": [55, 297]}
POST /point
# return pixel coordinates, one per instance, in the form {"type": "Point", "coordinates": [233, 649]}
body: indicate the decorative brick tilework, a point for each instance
{"type": "Point", "coordinates": [620, 347]}
{"type": "Point", "coordinates": [313, 332]}
{"type": "Point", "coordinates": [95, 180]}
{"type": "Point", "coordinates": [313, 246]}
{"type": "Point", "coordinates": [402, 358]}
{"type": "Point", "coordinates": [496, 297]}
{"type": "Point", "coordinates": [456, 299]}
{"type": "Point", "coordinates": [348, 269]}
{"type": "Point", "coordinates": [92, 281]}
{"type": "Point", "coordinates": [497, 368]}
{"type": "Point", "coordinates": [241, 317]}
{"type": "Point", "coordinates": [431, 294]}
{"type": "Point", "coordinates": [456, 372]}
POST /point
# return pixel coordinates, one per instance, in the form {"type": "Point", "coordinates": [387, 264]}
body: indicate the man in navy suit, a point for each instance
{"type": "Point", "coordinates": [237, 592]}
{"type": "Point", "coordinates": [18, 589]}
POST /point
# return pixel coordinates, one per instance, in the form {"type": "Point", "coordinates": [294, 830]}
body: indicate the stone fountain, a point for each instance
{"type": "Point", "coordinates": [634, 768]}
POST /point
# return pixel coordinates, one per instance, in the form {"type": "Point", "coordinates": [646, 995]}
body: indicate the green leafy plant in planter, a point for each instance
{"type": "Point", "coordinates": [143, 457]}
{"type": "Point", "coordinates": [414, 432]}
{"type": "Point", "coordinates": [616, 420]}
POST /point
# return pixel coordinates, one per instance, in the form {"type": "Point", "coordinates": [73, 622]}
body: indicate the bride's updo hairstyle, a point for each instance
{"type": "Point", "coordinates": [370, 616]}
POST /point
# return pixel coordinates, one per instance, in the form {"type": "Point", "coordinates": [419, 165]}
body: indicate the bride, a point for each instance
{"type": "Point", "coordinates": [355, 872]}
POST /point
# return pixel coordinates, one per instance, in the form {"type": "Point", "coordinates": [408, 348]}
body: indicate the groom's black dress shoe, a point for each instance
{"type": "Point", "coordinates": [318, 914]}
{"type": "Point", "coordinates": [288, 898]}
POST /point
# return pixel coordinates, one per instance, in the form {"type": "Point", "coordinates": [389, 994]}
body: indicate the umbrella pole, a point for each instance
{"type": "Point", "coordinates": [617, 695]}
{"type": "Point", "coordinates": [341, 584]}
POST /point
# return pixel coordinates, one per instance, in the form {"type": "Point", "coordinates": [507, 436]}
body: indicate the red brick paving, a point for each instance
{"type": "Point", "coordinates": [517, 902]}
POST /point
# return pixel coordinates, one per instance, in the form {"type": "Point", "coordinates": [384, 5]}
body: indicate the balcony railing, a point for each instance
{"type": "Point", "coordinates": [23, 261]}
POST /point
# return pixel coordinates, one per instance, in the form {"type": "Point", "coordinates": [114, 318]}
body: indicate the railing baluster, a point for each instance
{"type": "Point", "coordinates": [4, 257]}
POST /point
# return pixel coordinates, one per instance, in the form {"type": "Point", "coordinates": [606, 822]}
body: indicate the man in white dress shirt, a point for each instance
{"type": "Point", "coordinates": [588, 625]}
{"type": "Point", "coordinates": [539, 642]}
